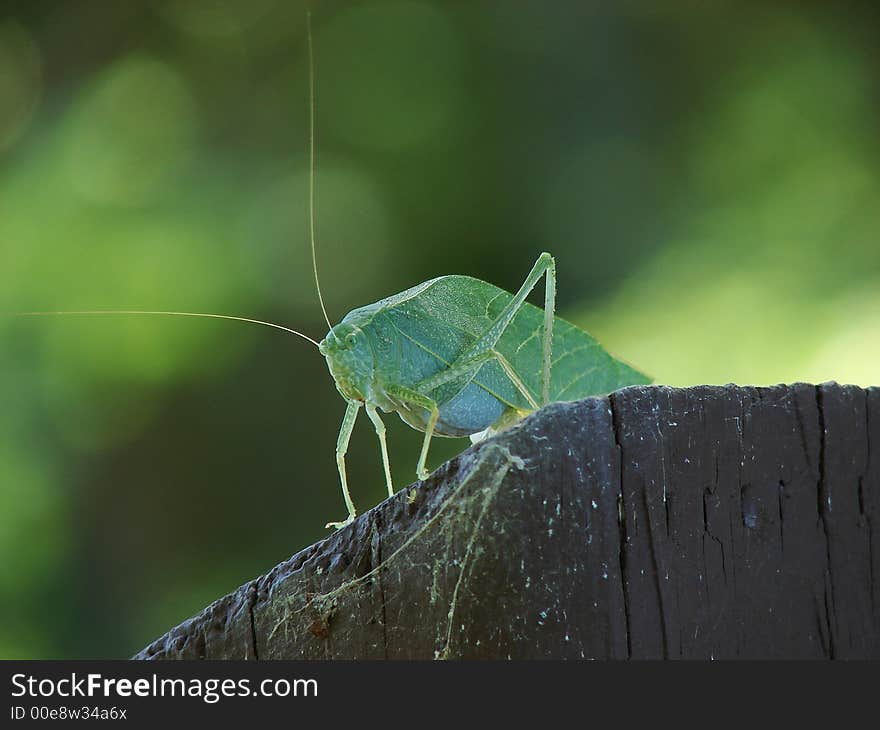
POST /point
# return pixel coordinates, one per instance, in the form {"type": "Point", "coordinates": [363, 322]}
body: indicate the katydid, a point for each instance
{"type": "Point", "coordinates": [454, 356]}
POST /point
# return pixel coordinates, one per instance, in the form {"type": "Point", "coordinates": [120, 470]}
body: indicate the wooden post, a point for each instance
{"type": "Point", "coordinates": [707, 522]}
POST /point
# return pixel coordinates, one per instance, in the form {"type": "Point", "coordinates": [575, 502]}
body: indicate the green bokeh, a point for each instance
{"type": "Point", "coordinates": [706, 175]}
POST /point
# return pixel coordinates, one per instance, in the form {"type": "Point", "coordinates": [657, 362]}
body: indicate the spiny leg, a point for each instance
{"type": "Point", "coordinates": [413, 397]}
{"type": "Point", "coordinates": [341, 448]}
{"type": "Point", "coordinates": [549, 316]}
{"type": "Point", "coordinates": [459, 369]}
{"type": "Point", "coordinates": [544, 265]}
{"type": "Point", "coordinates": [471, 367]}
{"type": "Point", "coordinates": [484, 349]}
{"type": "Point", "coordinates": [515, 379]}
{"type": "Point", "coordinates": [383, 444]}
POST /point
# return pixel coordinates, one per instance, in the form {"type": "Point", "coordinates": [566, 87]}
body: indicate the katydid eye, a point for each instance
{"type": "Point", "coordinates": [351, 340]}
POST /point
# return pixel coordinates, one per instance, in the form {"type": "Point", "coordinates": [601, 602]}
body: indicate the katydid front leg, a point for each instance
{"type": "Point", "coordinates": [348, 420]}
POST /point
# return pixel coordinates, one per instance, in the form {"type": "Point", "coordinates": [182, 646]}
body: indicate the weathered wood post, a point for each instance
{"type": "Point", "coordinates": [707, 522]}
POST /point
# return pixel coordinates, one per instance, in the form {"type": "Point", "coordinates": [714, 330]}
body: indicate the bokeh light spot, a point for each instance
{"type": "Point", "coordinates": [390, 74]}
{"type": "Point", "coordinates": [354, 232]}
{"type": "Point", "coordinates": [214, 18]}
{"type": "Point", "coordinates": [20, 82]}
{"type": "Point", "coordinates": [132, 132]}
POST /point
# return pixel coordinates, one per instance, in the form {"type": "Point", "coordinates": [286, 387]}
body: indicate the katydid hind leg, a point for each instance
{"type": "Point", "coordinates": [472, 367]}
{"type": "Point", "coordinates": [383, 445]}
{"type": "Point", "coordinates": [459, 369]}
{"type": "Point", "coordinates": [341, 449]}
{"type": "Point", "coordinates": [514, 378]}
{"type": "Point", "coordinates": [545, 265]}
{"type": "Point", "coordinates": [452, 373]}
{"type": "Point", "coordinates": [549, 316]}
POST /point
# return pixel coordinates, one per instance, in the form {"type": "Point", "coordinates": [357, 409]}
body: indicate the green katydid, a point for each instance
{"type": "Point", "coordinates": [454, 356]}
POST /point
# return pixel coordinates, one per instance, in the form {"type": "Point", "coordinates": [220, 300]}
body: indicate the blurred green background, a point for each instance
{"type": "Point", "coordinates": [705, 173]}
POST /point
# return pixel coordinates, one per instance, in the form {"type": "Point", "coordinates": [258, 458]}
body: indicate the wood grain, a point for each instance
{"type": "Point", "coordinates": [707, 522]}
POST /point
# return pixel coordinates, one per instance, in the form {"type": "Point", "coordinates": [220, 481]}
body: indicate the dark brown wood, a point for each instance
{"type": "Point", "coordinates": [708, 522]}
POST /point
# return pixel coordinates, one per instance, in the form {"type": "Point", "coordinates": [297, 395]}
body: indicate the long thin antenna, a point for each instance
{"type": "Point", "coordinates": [172, 314]}
{"type": "Point", "coordinates": [312, 171]}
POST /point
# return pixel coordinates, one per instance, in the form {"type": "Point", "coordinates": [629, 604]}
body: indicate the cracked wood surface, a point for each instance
{"type": "Point", "coordinates": [707, 522]}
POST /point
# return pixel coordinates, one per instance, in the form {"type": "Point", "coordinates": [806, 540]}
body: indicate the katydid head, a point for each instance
{"type": "Point", "coordinates": [350, 360]}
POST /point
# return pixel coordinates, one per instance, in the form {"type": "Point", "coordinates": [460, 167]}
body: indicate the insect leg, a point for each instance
{"type": "Point", "coordinates": [455, 371]}
{"type": "Point", "coordinates": [421, 470]}
{"type": "Point", "coordinates": [544, 265]}
{"type": "Point", "coordinates": [515, 379]}
{"type": "Point", "coordinates": [549, 316]}
{"type": "Point", "coordinates": [341, 448]}
{"type": "Point", "coordinates": [380, 432]}
{"type": "Point", "coordinates": [417, 395]}
{"type": "Point", "coordinates": [413, 397]}
{"type": "Point", "coordinates": [461, 369]}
